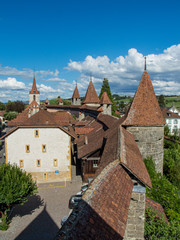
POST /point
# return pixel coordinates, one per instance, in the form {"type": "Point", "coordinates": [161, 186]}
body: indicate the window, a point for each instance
{"type": "Point", "coordinates": [175, 121]}
{"type": "Point", "coordinates": [55, 162]}
{"type": "Point", "coordinates": [38, 162]}
{"type": "Point", "coordinates": [34, 97]}
{"type": "Point", "coordinates": [95, 163]}
{"type": "Point", "coordinates": [36, 133]}
{"type": "Point", "coordinates": [43, 148]}
{"type": "Point", "coordinates": [27, 148]}
{"type": "Point", "coordinates": [21, 163]}
{"type": "Point", "coordinates": [169, 120]}
{"type": "Point", "coordinates": [44, 176]}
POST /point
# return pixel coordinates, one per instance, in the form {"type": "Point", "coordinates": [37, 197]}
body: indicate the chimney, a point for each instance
{"type": "Point", "coordinates": [86, 140]}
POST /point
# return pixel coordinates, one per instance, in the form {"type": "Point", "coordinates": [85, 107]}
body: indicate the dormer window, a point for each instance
{"type": "Point", "coordinates": [168, 114]}
{"type": "Point", "coordinates": [34, 91]}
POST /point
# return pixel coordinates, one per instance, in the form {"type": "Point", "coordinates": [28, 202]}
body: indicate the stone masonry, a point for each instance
{"type": "Point", "coordinates": [136, 215]}
{"type": "Point", "coordinates": [150, 142]}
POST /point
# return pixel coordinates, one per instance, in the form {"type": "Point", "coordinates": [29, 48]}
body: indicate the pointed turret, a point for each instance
{"type": "Point", "coordinates": [34, 94]}
{"type": "Point", "coordinates": [145, 110]}
{"type": "Point", "coordinates": [60, 101]}
{"type": "Point", "coordinates": [76, 97]}
{"type": "Point", "coordinates": [106, 104]}
{"type": "Point", "coordinates": [91, 97]}
{"type": "Point", "coordinates": [146, 122]}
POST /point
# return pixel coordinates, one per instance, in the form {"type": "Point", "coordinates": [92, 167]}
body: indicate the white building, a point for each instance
{"type": "Point", "coordinates": [42, 146]}
{"type": "Point", "coordinates": [172, 120]}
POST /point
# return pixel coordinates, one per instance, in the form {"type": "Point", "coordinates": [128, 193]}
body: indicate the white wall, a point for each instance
{"type": "Point", "coordinates": [37, 98]}
{"type": "Point", "coordinates": [57, 146]}
{"type": "Point", "coordinates": [172, 125]}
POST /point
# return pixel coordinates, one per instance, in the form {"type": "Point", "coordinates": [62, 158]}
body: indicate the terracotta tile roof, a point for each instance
{"type": "Point", "coordinates": [108, 120]}
{"type": "Point", "coordinates": [168, 114]}
{"type": "Point", "coordinates": [157, 207]}
{"type": "Point", "coordinates": [91, 95]}
{"type": "Point", "coordinates": [76, 93]}
{"type": "Point", "coordinates": [118, 113]}
{"type": "Point", "coordinates": [105, 99]}
{"type": "Point", "coordinates": [45, 118]}
{"type": "Point", "coordinates": [100, 109]}
{"type": "Point", "coordinates": [103, 211]}
{"type": "Point", "coordinates": [131, 158]}
{"type": "Point", "coordinates": [145, 109]}
{"type": "Point", "coordinates": [34, 88]}
{"type": "Point", "coordinates": [83, 131]}
{"type": "Point", "coordinates": [93, 108]}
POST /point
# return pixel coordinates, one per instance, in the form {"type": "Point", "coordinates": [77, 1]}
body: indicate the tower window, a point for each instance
{"type": "Point", "coordinates": [45, 176]}
{"type": "Point", "coordinates": [27, 148]}
{"type": "Point", "coordinates": [34, 97]}
{"type": "Point", "coordinates": [43, 148]}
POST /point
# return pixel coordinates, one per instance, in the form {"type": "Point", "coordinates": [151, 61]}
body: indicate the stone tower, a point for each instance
{"type": "Point", "coordinates": [76, 97]}
{"type": "Point", "coordinates": [106, 104]}
{"type": "Point", "coordinates": [146, 122]}
{"type": "Point", "coordinates": [91, 98]}
{"type": "Point", "coordinates": [34, 94]}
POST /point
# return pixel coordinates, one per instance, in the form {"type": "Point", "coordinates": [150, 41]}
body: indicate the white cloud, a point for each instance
{"type": "Point", "coordinates": [55, 79]}
{"type": "Point", "coordinates": [11, 83]}
{"type": "Point", "coordinates": [124, 73]}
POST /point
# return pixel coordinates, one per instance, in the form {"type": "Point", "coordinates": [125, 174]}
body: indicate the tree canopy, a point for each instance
{"type": "Point", "coordinates": [15, 186]}
{"type": "Point", "coordinates": [17, 106]}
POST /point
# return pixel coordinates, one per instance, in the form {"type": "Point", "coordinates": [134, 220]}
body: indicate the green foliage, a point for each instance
{"type": "Point", "coordinates": [17, 106]}
{"type": "Point", "coordinates": [166, 130]}
{"type": "Point", "coordinates": [156, 228]}
{"type": "Point", "coordinates": [163, 192]}
{"type": "Point", "coordinates": [2, 106]}
{"type": "Point", "coordinates": [66, 102]}
{"type": "Point", "coordinates": [172, 164]}
{"type": "Point", "coordinates": [15, 186]}
{"type": "Point", "coordinates": [161, 101]}
{"type": "Point", "coordinates": [54, 101]}
{"type": "Point", "coordinates": [10, 115]}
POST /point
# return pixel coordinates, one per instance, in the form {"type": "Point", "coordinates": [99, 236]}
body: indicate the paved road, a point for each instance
{"type": "Point", "coordinates": [39, 218]}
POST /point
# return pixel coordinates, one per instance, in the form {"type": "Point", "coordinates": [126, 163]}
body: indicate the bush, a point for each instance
{"type": "Point", "coordinates": [10, 115]}
{"type": "Point", "coordinates": [156, 228]}
{"type": "Point", "coordinates": [163, 192]}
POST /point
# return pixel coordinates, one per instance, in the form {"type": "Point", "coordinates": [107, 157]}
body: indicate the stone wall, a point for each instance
{"type": "Point", "coordinates": [136, 215]}
{"type": "Point", "coordinates": [76, 101]}
{"type": "Point", "coordinates": [150, 143]}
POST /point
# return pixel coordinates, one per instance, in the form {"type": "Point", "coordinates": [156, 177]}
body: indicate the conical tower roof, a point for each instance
{"type": "Point", "coordinates": [91, 95]}
{"type": "Point", "coordinates": [105, 99]}
{"type": "Point", "coordinates": [76, 93]}
{"type": "Point", "coordinates": [145, 110]}
{"type": "Point", "coordinates": [34, 88]}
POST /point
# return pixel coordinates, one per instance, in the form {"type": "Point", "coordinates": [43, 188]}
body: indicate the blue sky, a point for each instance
{"type": "Point", "coordinates": [65, 41]}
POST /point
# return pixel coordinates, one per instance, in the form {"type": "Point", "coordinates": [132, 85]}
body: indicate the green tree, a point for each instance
{"type": "Point", "coordinates": [161, 101]}
{"type": "Point", "coordinates": [166, 130]}
{"type": "Point", "coordinates": [2, 106]}
{"type": "Point", "coordinates": [10, 115]}
{"type": "Point", "coordinates": [163, 192]}
{"type": "Point", "coordinates": [156, 228]}
{"type": "Point", "coordinates": [15, 186]}
{"type": "Point", "coordinates": [106, 88]}
{"type": "Point", "coordinates": [17, 106]}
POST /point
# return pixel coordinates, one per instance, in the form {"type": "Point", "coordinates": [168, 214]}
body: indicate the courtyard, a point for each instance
{"type": "Point", "coordinates": [40, 217]}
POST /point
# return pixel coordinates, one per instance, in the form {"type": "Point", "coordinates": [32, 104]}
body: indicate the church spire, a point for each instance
{"type": "Point", "coordinates": [34, 88]}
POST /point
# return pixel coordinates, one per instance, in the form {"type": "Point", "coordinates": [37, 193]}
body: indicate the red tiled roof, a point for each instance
{"type": "Point", "coordinates": [91, 95]}
{"type": "Point", "coordinates": [103, 210]}
{"type": "Point", "coordinates": [76, 93]}
{"type": "Point", "coordinates": [2, 113]}
{"type": "Point", "coordinates": [45, 118]}
{"type": "Point", "coordinates": [34, 88]}
{"type": "Point", "coordinates": [108, 120]}
{"type": "Point", "coordinates": [105, 99]}
{"type": "Point", "coordinates": [157, 207]}
{"type": "Point", "coordinates": [131, 157]}
{"type": "Point", "coordinates": [82, 131]}
{"type": "Point", "coordinates": [145, 109]}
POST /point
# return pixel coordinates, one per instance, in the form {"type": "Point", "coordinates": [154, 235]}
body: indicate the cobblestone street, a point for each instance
{"type": "Point", "coordinates": [40, 217]}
